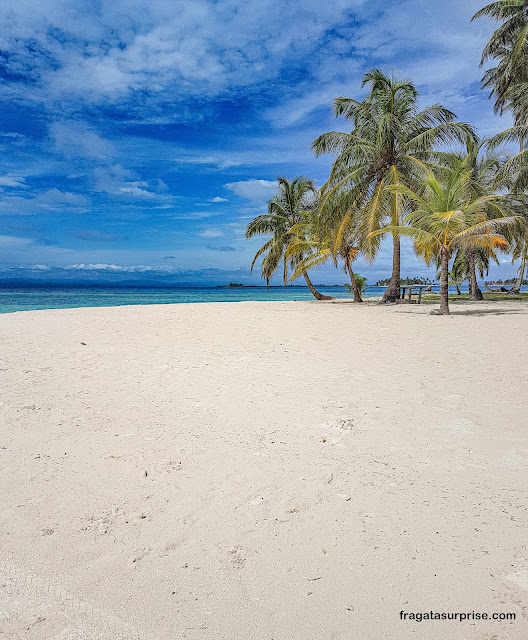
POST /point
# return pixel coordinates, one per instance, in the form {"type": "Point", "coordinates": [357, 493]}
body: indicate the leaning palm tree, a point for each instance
{"type": "Point", "coordinates": [508, 46]}
{"type": "Point", "coordinates": [389, 137]}
{"type": "Point", "coordinates": [317, 244]}
{"type": "Point", "coordinates": [285, 210]}
{"type": "Point", "coordinates": [321, 251]}
{"type": "Point", "coordinates": [442, 220]}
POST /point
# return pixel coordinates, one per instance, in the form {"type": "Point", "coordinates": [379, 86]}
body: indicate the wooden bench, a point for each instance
{"type": "Point", "coordinates": [412, 292]}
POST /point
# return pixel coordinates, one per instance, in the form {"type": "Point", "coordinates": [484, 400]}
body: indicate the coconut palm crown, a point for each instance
{"type": "Point", "coordinates": [482, 166]}
{"type": "Point", "coordinates": [508, 46]}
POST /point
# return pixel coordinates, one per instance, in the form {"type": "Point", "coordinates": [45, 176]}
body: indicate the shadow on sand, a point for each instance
{"type": "Point", "coordinates": [488, 312]}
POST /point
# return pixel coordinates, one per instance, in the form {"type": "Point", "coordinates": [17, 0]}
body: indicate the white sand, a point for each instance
{"type": "Point", "coordinates": [267, 471]}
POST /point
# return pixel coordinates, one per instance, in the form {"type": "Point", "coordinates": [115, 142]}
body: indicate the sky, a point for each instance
{"type": "Point", "coordinates": [139, 137]}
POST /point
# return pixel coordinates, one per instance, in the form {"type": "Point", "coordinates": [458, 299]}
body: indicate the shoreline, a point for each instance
{"type": "Point", "coordinates": [367, 301]}
{"type": "Point", "coordinates": [272, 469]}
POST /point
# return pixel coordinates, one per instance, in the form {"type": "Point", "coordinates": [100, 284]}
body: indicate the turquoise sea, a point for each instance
{"type": "Point", "coordinates": [33, 297]}
{"type": "Point", "coordinates": [30, 298]}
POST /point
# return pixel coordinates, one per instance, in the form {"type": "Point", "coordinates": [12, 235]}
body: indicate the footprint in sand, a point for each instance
{"type": "Point", "coordinates": [337, 429]}
{"type": "Point", "coordinates": [237, 557]}
{"type": "Point", "coordinates": [340, 424]}
{"type": "Point", "coordinates": [100, 525]}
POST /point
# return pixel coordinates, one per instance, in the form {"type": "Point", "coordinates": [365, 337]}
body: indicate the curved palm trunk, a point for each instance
{"type": "Point", "coordinates": [315, 293]}
{"type": "Point", "coordinates": [459, 293]}
{"type": "Point", "coordinates": [357, 294]}
{"type": "Point", "coordinates": [392, 292]}
{"type": "Point", "coordinates": [444, 283]}
{"type": "Point", "coordinates": [518, 283]}
{"type": "Point", "coordinates": [474, 292]}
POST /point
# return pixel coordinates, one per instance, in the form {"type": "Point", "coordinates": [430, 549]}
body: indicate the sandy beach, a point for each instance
{"type": "Point", "coordinates": [263, 471]}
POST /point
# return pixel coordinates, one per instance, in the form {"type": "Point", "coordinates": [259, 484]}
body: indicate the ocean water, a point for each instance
{"type": "Point", "coordinates": [33, 297]}
{"type": "Point", "coordinates": [30, 298]}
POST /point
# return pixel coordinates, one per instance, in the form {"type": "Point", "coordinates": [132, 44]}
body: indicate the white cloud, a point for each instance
{"type": "Point", "coordinates": [12, 242]}
{"type": "Point", "coordinates": [55, 197]}
{"type": "Point", "coordinates": [193, 48]}
{"type": "Point", "coordinates": [255, 190]}
{"type": "Point", "coordinates": [211, 232]}
{"type": "Point", "coordinates": [113, 267]}
{"type": "Point", "coordinates": [13, 181]}
{"type": "Point", "coordinates": [74, 138]}
{"type": "Point", "coordinates": [49, 200]}
{"type": "Point", "coordinates": [118, 181]}
{"type": "Point", "coordinates": [218, 199]}
{"type": "Point", "coordinates": [135, 189]}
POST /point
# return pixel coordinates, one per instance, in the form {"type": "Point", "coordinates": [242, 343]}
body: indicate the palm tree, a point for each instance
{"type": "Point", "coordinates": [508, 45]}
{"type": "Point", "coordinates": [317, 244]}
{"type": "Point", "coordinates": [513, 175]}
{"type": "Point", "coordinates": [519, 242]}
{"type": "Point", "coordinates": [482, 166]}
{"type": "Point", "coordinates": [389, 136]}
{"type": "Point", "coordinates": [442, 220]}
{"type": "Point", "coordinates": [456, 275]}
{"type": "Point", "coordinates": [285, 210]}
{"type": "Point", "coordinates": [320, 251]}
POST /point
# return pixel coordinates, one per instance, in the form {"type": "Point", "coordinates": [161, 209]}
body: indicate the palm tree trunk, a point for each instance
{"type": "Point", "coordinates": [357, 295]}
{"type": "Point", "coordinates": [459, 293]}
{"type": "Point", "coordinates": [518, 283]}
{"type": "Point", "coordinates": [315, 293]}
{"type": "Point", "coordinates": [392, 292]}
{"type": "Point", "coordinates": [474, 292]}
{"type": "Point", "coordinates": [444, 283]}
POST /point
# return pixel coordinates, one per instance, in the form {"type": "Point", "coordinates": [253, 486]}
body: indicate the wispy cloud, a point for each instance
{"type": "Point", "coordinates": [51, 200]}
{"type": "Point", "coordinates": [75, 138]}
{"type": "Point", "coordinates": [94, 235]}
{"type": "Point", "coordinates": [211, 232]}
{"type": "Point", "coordinates": [17, 182]}
{"type": "Point", "coordinates": [222, 248]}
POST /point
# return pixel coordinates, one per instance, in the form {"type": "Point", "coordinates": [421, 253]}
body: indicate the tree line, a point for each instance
{"type": "Point", "coordinates": [406, 172]}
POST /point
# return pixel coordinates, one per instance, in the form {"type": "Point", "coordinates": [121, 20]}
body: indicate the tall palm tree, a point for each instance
{"type": "Point", "coordinates": [508, 46]}
{"type": "Point", "coordinates": [513, 175]}
{"type": "Point", "coordinates": [285, 210]}
{"type": "Point", "coordinates": [519, 243]}
{"type": "Point", "coordinates": [482, 166]}
{"type": "Point", "coordinates": [389, 137]}
{"type": "Point", "coordinates": [442, 220]}
{"type": "Point", "coordinates": [522, 268]}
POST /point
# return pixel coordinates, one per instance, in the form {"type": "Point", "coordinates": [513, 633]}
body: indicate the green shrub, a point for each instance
{"type": "Point", "coordinates": [361, 283]}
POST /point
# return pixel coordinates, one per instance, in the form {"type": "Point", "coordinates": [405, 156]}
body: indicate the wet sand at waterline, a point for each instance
{"type": "Point", "coordinates": [263, 471]}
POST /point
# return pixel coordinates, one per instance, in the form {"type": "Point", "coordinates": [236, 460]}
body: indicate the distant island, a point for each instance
{"type": "Point", "coordinates": [230, 285]}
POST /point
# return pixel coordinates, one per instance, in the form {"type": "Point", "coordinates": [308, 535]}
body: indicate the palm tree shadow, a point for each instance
{"type": "Point", "coordinates": [488, 312]}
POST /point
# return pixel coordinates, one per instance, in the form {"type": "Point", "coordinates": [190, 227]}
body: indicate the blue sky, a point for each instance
{"type": "Point", "coordinates": [139, 137]}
